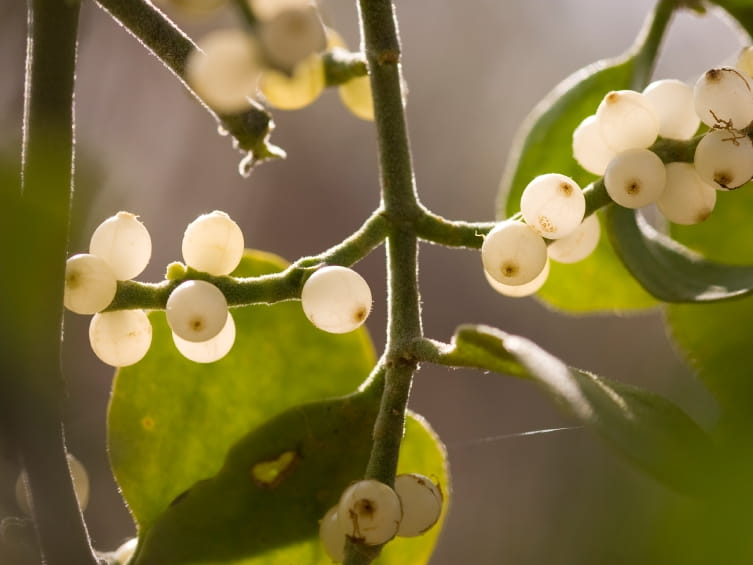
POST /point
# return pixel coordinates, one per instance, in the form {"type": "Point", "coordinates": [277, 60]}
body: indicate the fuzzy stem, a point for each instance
{"type": "Point", "coordinates": [649, 40]}
{"type": "Point", "coordinates": [31, 384]}
{"type": "Point", "coordinates": [402, 210]}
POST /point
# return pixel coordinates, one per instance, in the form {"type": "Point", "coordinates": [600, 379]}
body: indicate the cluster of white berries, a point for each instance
{"type": "Point", "coordinates": [372, 513]}
{"type": "Point", "coordinates": [197, 311]}
{"type": "Point", "coordinates": [281, 60]}
{"type": "Point", "coordinates": [615, 143]}
{"type": "Point", "coordinates": [335, 299]}
{"type": "Point", "coordinates": [515, 254]}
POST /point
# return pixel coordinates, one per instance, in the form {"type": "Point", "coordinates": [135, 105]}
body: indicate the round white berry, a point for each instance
{"type": "Point", "coordinates": [635, 178]}
{"type": "Point", "coordinates": [745, 61]}
{"type": "Point", "coordinates": [336, 299]}
{"type": "Point", "coordinates": [291, 35]}
{"type": "Point", "coordinates": [627, 120]}
{"type": "Point", "coordinates": [672, 101]}
{"type": "Point", "coordinates": [213, 243]}
{"type": "Point", "coordinates": [90, 284]}
{"type": "Point", "coordinates": [520, 290]}
{"type": "Point", "coordinates": [196, 310]}
{"type": "Point", "coordinates": [724, 159]}
{"type": "Point", "coordinates": [724, 97]}
{"type": "Point", "coordinates": [421, 500]}
{"type": "Point", "coordinates": [298, 90]}
{"type": "Point", "coordinates": [513, 253]}
{"type": "Point", "coordinates": [120, 338]}
{"type": "Point", "coordinates": [687, 198]}
{"type": "Point", "coordinates": [356, 96]}
{"type": "Point", "coordinates": [80, 479]}
{"type": "Point", "coordinates": [124, 243]}
{"type": "Point", "coordinates": [225, 69]}
{"type": "Point", "coordinates": [579, 244]}
{"type": "Point", "coordinates": [553, 205]}
{"type": "Point", "coordinates": [211, 350]}
{"type": "Point", "coordinates": [332, 535]}
{"type": "Point", "coordinates": [267, 9]}
{"type": "Point", "coordinates": [370, 512]}
{"type": "Point", "coordinates": [589, 147]}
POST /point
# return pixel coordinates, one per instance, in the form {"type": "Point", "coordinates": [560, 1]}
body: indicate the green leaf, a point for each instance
{"type": "Point", "coordinates": [235, 461]}
{"type": "Point", "coordinates": [646, 428]}
{"type": "Point", "coordinates": [171, 421]}
{"type": "Point", "coordinates": [667, 269]}
{"type": "Point", "coordinates": [714, 336]}
{"type": "Point", "coordinates": [240, 516]}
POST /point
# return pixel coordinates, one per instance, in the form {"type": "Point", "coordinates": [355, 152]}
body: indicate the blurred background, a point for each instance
{"type": "Point", "coordinates": [473, 70]}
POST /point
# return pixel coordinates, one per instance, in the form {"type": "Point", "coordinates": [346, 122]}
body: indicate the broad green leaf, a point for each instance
{"type": "Point", "coordinates": [646, 428]}
{"type": "Point", "coordinates": [252, 450]}
{"type": "Point", "coordinates": [236, 517]}
{"type": "Point", "coordinates": [667, 269]}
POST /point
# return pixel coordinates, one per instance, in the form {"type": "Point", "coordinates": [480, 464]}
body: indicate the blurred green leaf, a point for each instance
{"type": "Point", "coordinates": [714, 336]}
{"type": "Point", "coordinates": [667, 269]}
{"type": "Point", "coordinates": [644, 427]}
{"type": "Point", "coordinates": [236, 461]}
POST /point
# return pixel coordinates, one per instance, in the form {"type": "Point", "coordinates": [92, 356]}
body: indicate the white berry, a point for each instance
{"type": "Point", "coordinates": [196, 310]}
{"type": "Point", "coordinates": [635, 178]}
{"type": "Point", "coordinates": [553, 205]}
{"type": "Point", "coordinates": [421, 500]}
{"type": "Point", "coordinates": [520, 290]}
{"type": "Point", "coordinates": [356, 95]}
{"type": "Point", "coordinates": [213, 243]}
{"type": "Point", "coordinates": [332, 535]}
{"type": "Point", "coordinates": [291, 35]}
{"type": "Point", "coordinates": [120, 338]}
{"type": "Point", "coordinates": [673, 103]}
{"type": "Point", "coordinates": [124, 243]}
{"type": "Point", "coordinates": [300, 89]}
{"type": "Point", "coordinates": [724, 159]}
{"type": "Point", "coordinates": [370, 512]}
{"type": "Point", "coordinates": [579, 244]}
{"type": "Point", "coordinates": [211, 350]}
{"type": "Point", "coordinates": [687, 198]}
{"type": "Point", "coordinates": [80, 479]}
{"type": "Point", "coordinates": [336, 299]}
{"type": "Point", "coordinates": [90, 284]}
{"type": "Point", "coordinates": [627, 120]}
{"type": "Point", "coordinates": [724, 97]}
{"type": "Point", "coordinates": [589, 147]}
{"type": "Point", "coordinates": [513, 253]}
{"type": "Point", "coordinates": [225, 69]}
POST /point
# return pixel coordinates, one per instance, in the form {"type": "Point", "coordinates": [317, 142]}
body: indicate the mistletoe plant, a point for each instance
{"type": "Point", "coordinates": [283, 440]}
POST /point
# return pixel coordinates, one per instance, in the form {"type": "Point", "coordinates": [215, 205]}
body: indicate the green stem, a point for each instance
{"type": "Point", "coordinates": [402, 210]}
{"type": "Point", "coordinates": [31, 385]}
{"type": "Point", "coordinates": [646, 46]}
{"type": "Point", "coordinates": [265, 289]}
{"type": "Point", "coordinates": [170, 45]}
{"type": "Point", "coordinates": [434, 228]}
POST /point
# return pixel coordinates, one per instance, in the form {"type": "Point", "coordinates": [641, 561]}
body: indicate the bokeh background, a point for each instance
{"type": "Point", "coordinates": [474, 70]}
